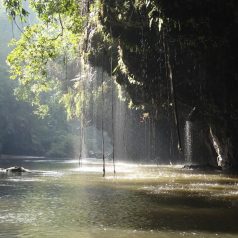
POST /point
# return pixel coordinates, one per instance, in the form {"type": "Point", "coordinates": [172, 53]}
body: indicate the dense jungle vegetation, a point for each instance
{"type": "Point", "coordinates": [22, 132]}
{"type": "Point", "coordinates": [174, 59]}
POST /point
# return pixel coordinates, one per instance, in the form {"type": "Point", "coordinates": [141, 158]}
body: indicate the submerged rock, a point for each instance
{"type": "Point", "coordinates": [2, 170]}
{"type": "Point", "coordinates": [16, 169]}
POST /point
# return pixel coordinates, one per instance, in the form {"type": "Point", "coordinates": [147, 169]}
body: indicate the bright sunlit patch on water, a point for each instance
{"type": "Point", "coordinates": [52, 173]}
{"type": "Point", "coordinates": [89, 169]}
{"type": "Point", "coordinates": [24, 179]}
{"type": "Point", "coordinates": [69, 161]}
{"type": "Point", "coordinates": [40, 160]}
{"type": "Point", "coordinates": [95, 166]}
{"type": "Point", "coordinates": [7, 185]}
{"type": "Point", "coordinates": [22, 218]}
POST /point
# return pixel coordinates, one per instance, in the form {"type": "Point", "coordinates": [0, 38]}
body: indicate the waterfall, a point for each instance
{"type": "Point", "coordinates": [120, 123]}
{"type": "Point", "coordinates": [221, 153]}
{"type": "Point", "coordinates": [103, 118]}
{"type": "Point", "coordinates": [188, 142]}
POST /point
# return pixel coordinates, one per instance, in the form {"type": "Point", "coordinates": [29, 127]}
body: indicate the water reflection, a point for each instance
{"type": "Point", "coordinates": [141, 201]}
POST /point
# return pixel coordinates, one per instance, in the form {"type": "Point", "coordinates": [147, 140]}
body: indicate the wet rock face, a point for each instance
{"type": "Point", "coordinates": [224, 140]}
{"type": "Point", "coordinates": [199, 52]}
{"type": "Point", "coordinates": [198, 147]}
{"type": "Point", "coordinates": [200, 47]}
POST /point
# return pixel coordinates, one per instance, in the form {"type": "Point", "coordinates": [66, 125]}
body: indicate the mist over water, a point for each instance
{"type": "Point", "coordinates": [121, 122]}
{"type": "Point", "coordinates": [107, 125]}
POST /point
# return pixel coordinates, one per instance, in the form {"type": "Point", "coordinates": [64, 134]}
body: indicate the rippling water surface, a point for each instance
{"type": "Point", "coordinates": [59, 199]}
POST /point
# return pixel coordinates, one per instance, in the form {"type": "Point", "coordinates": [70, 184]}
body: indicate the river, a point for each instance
{"type": "Point", "coordinates": [61, 199]}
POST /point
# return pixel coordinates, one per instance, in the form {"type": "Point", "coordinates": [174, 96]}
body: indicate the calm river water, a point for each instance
{"type": "Point", "coordinates": [59, 199]}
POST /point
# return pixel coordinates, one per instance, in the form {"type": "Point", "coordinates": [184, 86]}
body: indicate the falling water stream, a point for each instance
{"type": "Point", "coordinates": [61, 199]}
{"type": "Point", "coordinates": [188, 142]}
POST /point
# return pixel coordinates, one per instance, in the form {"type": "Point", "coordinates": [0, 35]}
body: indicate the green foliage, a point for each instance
{"type": "Point", "coordinates": [15, 8]}
{"type": "Point", "coordinates": [32, 59]}
{"type": "Point", "coordinates": [21, 131]}
{"type": "Point", "coordinates": [40, 57]}
{"type": "Point", "coordinates": [45, 51]}
{"type": "Point", "coordinates": [63, 146]}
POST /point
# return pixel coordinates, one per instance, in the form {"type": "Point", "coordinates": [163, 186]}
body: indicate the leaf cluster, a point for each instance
{"type": "Point", "coordinates": [39, 57]}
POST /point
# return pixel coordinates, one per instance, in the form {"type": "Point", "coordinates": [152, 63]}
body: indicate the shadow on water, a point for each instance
{"type": "Point", "coordinates": [139, 210]}
{"type": "Point", "coordinates": [193, 213]}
